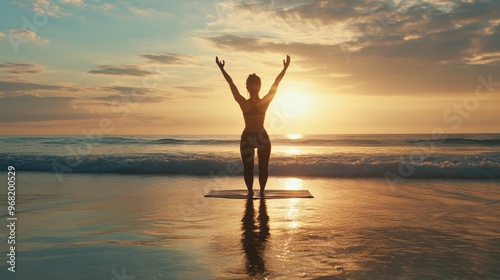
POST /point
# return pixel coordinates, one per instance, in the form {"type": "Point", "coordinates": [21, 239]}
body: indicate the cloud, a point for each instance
{"type": "Point", "coordinates": [52, 9]}
{"type": "Point", "coordinates": [105, 7]}
{"type": "Point", "coordinates": [195, 89]}
{"type": "Point", "coordinates": [170, 58]}
{"type": "Point", "coordinates": [133, 9]}
{"type": "Point", "coordinates": [382, 47]}
{"type": "Point", "coordinates": [58, 8]}
{"type": "Point", "coordinates": [127, 89]}
{"type": "Point", "coordinates": [26, 36]}
{"type": "Point", "coordinates": [15, 87]}
{"type": "Point", "coordinates": [360, 24]}
{"type": "Point", "coordinates": [278, 21]}
{"type": "Point", "coordinates": [48, 8]}
{"type": "Point", "coordinates": [458, 34]}
{"type": "Point", "coordinates": [314, 12]}
{"type": "Point", "coordinates": [383, 68]}
{"type": "Point", "coordinates": [73, 2]}
{"type": "Point", "coordinates": [21, 68]}
{"type": "Point", "coordinates": [122, 70]}
{"type": "Point", "coordinates": [31, 108]}
{"type": "Point", "coordinates": [113, 99]}
{"type": "Point", "coordinates": [241, 43]}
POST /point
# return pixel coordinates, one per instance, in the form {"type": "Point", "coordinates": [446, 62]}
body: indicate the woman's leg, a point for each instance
{"type": "Point", "coordinates": [247, 155]}
{"type": "Point", "coordinates": [264, 153]}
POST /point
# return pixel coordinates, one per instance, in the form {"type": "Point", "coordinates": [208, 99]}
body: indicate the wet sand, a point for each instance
{"type": "Point", "coordinates": [161, 227]}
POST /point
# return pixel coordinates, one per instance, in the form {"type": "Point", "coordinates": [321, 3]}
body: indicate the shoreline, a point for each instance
{"type": "Point", "coordinates": [159, 227]}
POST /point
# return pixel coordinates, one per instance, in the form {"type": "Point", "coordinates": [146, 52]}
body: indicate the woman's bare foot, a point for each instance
{"type": "Point", "coordinates": [262, 193]}
{"type": "Point", "coordinates": [250, 193]}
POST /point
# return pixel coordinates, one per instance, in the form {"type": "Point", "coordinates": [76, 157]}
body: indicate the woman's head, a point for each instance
{"type": "Point", "coordinates": [253, 85]}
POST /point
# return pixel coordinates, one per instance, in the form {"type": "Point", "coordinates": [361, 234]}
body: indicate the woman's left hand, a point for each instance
{"type": "Point", "coordinates": [220, 63]}
{"type": "Point", "coordinates": [286, 62]}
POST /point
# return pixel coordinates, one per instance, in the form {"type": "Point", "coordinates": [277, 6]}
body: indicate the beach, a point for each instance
{"type": "Point", "coordinates": [108, 226]}
{"type": "Point", "coordinates": [117, 118]}
{"type": "Point", "coordinates": [133, 207]}
{"type": "Point", "coordinates": [237, 139]}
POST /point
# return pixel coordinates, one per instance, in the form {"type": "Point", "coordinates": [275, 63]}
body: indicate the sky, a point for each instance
{"type": "Point", "coordinates": [95, 67]}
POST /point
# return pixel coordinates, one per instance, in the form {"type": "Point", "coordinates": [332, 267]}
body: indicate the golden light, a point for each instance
{"type": "Point", "coordinates": [293, 184]}
{"type": "Point", "coordinates": [294, 136]}
{"type": "Point", "coordinates": [293, 151]}
{"type": "Point", "coordinates": [292, 101]}
{"type": "Point", "coordinates": [293, 209]}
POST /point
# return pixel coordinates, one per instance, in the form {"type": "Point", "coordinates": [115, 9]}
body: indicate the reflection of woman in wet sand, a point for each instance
{"type": "Point", "coordinates": [255, 237]}
{"type": "Point", "coordinates": [254, 135]}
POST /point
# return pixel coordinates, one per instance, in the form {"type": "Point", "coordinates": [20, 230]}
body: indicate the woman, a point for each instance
{"type": "Point", "coordinates": [254, 135]}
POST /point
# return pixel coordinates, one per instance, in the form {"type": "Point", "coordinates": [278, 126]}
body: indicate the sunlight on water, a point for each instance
{"type": "Point", "coordinates": [294, 136]}
{"type": "Point", "coordinates": [294, 224]}
{"type": "Point", "coordinates": [470, 156]}
{"type": "Point", "coordinates": [293, 184]}
{"type": "Point", "coordinates": [351, 229]}
{"type": "Point", "coordinates": [294, 151]}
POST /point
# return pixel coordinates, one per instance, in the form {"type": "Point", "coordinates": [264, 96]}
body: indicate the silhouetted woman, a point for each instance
{"type": "Point", "coordinates": [254, 135]}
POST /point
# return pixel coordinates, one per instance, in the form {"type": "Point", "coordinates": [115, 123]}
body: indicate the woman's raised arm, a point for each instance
{"type": "Point", "coordinates": [272, 92]}
{"type": "Point", "coordinates": [234, 90]}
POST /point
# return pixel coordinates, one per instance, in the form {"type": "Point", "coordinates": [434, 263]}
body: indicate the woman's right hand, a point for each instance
{"type": "Point", "coordinates": [220, 63]}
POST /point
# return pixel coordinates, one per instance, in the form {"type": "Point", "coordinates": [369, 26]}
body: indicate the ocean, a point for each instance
{"type": "Point", "coordinates": [133, 207]}
{"type": "Point", "coordinates": [394, 157]}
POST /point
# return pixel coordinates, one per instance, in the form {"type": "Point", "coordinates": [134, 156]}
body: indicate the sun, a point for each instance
{"type": "Point", "coordinates": [292, 102]}
{"type": "Point", "coordinates": [291, 110]}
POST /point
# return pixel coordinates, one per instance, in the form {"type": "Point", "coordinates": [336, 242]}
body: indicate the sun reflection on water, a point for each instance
{"type": "Point", "coordinates": [293, 203]}
{"type": "Point", "coordinates": [294, 224]}
{"type": "Point", "coordinates": [294, 136]}
{"type": "Point", "coordinates": [293, 184]}
{"type": "Point", "coordinates": [294, 151]}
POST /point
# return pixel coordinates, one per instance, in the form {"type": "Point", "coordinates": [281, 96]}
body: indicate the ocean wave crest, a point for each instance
{"type": "Point", "coordinates": [437, 167]}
